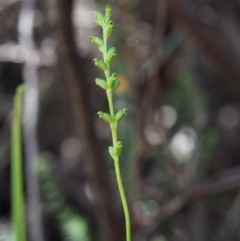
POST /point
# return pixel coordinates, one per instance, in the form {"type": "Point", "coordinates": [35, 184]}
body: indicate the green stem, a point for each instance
{"type": "Point", "coordinates": [17, 199]}
{"type": "Point", "coordinates": [113, 127]}
{"type": "Point", "coordinates": [123, 199]}
{"type": "Point", "coordinates": [117, 170]}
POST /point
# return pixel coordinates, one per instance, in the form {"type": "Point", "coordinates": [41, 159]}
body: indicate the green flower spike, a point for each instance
{"type": "Point", "coordinates": [110, 85]}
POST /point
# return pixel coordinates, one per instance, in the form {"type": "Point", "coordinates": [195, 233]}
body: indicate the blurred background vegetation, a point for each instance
{"type": "Point", "coordinates": [179, 66]}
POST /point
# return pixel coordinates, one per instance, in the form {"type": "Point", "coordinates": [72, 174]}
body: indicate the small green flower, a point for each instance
{"type": "Point", "coordinates": [118, 149]}
{"type": "Point", "coordinates": [96, 41]}
{"type": "Point", "coordinates": [111, 80]}
{"type": "Point", "coordinates": [108, 12]}
{"type": "Point", "coordinates": [120, 114]}
{"type": "Point", "coordinates": [100, 64]}
{"type": "Point", "coordinates": [102, 83]}
{"type": "Point", "coordinates": [110, 55]}
{"type": "Point", "coordinates": [117, 83]}
{"type": "Point", "coordinates": [110, 150]}
{"type": "Point", "coordinates": [105, 116]}
{"type": "Point", "coordinates": [109, 28]}
{"type": "Point", "coordinates": [99, 18]}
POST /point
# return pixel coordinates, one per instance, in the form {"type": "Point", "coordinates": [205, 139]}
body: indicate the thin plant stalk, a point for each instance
{"type": "Point", "coordinates": [113, 127]}
{"type": "Point", "coordinates": [110, 85]}
{"type": "Point", "coordinates": [17, 193]}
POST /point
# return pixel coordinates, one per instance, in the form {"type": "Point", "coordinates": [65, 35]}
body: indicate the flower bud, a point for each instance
{"type": "Point", "coordinates": [104, 116]}
{"type": "Point", "coordinates": [100, 64]}
{"type": "Point", "coordinates": [116, 84]}
{"type": "Point", "coordinates": [96, 41]}
{"type": "Point", "coordinates": [118, 149]}
{"type": "Point", "coordinates": [110, 55]}
{"type": "Point", "coordinates": [108, 12]}
{"type": "Point", "coordinates": [99, 18]}
{"type": "Point", "coordinates": [120, 114]}
{"type": "Point", "coordinates": [111, 80]}
{"type": "Point", "coordinates": [109, 28]}
{"type": "Point", "coordinates": [102, 83]}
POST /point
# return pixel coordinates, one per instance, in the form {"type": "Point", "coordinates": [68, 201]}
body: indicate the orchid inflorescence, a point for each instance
{"type": "Point", "coordinates": [111, 84]}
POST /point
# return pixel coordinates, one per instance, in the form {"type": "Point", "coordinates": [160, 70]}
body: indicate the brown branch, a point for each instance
{"type": "Point", "coordinates": [224, 62]}
{"type": "Point", "coordinates": [228, 181]}
{"type": "Point", "coordinates": [83, 120]}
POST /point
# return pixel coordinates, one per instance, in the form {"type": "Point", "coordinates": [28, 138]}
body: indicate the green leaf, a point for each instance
{"type": "Point", "coordinates": [17, 195]}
